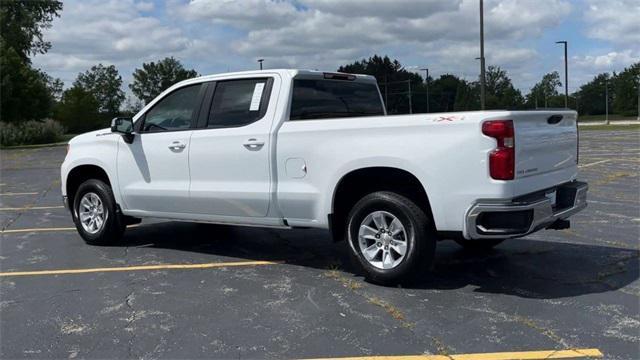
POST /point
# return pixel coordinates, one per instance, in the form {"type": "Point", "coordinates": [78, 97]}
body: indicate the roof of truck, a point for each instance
{"type": "Point", "coordinates": [285, 73]}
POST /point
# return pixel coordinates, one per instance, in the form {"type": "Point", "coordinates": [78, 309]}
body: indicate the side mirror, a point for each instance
{"type": "Point", "coordinates": [124, 127]}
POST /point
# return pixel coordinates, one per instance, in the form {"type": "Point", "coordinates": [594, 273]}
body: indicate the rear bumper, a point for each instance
{"type": "Point", "coordinates": [488, 219]}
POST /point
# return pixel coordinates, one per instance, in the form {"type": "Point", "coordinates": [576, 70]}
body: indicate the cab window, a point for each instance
{"type": "Point", "coordinates": [330, 99]}
{"type": "Point", "coordinates": [174, 111]}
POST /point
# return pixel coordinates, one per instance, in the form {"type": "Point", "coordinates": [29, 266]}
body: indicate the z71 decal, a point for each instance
{"type": "Point", "coordinates": [451, 118]}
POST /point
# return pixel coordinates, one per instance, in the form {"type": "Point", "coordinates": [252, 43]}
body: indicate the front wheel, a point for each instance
{"type": "Point", "coordinates": [390, 238]}
{"type": "Point", "coordinates": [95, 214]}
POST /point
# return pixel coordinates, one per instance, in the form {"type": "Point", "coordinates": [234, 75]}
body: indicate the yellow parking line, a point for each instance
{"type": "Point", "coordinates": [520, 355]}
{"type": "Point", "coordinates": [17, 194]}
{"type": "Point", "coordinates": [138, 268]}
{"type": "Point", "coordinates": [11, 231]}
{"type": "Point", "coordinates": [31, 208]}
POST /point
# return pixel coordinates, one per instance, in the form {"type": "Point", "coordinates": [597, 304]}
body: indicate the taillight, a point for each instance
{"type": "Point", "coordinates": [502, 160]}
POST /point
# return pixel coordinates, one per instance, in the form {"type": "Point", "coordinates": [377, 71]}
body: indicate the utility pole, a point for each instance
{"type": "Point", "coordinates": [410, 105]}
{"type": "Point", "coordinates": [482, 75]}
{"type": "Point", "coordinates": [386, 92]}
{"type": "Point", "coordinates": [566, 75]}
{"type": "Point", "coordinates": [606, 100]}
{"type": "Point", "coordinates": [426, 79]}
{"type": "Point", "coordinates": [260, 62]}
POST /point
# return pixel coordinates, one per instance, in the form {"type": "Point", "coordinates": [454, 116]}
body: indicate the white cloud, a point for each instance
{"type": "Point", "coordinates": [145, 6]}
{"type": "Point", "coordinates": [220, 35]}
{"type": "Point", "coordinates": [398, 9]}
{"type": "Point", "coordinates": [279, 30]}
{"type": "Point", "coordinates": [616, 21]}
{"type": "Point", "coordinates": [110, 32]}
{"type": "Point", "coordinates": [608, 61]}
{"type": "Point", "coordinates": [255, 14]}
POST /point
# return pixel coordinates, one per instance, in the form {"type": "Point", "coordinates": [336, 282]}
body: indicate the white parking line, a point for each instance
{"type": "Point", "coordinates": [593, 163]}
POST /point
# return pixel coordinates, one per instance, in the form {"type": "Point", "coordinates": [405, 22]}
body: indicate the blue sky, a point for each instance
{"type": "Point", "coordinates": [215, 36]}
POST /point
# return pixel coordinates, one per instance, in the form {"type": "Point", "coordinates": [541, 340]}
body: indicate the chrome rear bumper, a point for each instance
{"type": "Point", "coordinates": [518, 217]}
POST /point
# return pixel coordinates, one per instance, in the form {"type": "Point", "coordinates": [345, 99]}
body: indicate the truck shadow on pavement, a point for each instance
{"type": "Point", "coordinates": [521, 267]}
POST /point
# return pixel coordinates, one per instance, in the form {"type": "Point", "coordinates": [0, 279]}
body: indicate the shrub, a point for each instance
{"type": "Point", "coordinates": [30, 132]}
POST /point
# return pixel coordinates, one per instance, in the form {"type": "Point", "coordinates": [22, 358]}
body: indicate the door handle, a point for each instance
{"type": "Point", "coordinates": [177, 145]}
{"type": "Point", "coordinates": [253, 144]}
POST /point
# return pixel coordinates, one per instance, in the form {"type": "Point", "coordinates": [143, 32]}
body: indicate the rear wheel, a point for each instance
{"type": "Point", "coordinates": [390, 238]}
{"type": "Point", "coordinates": [479, 245]}
{"type": "Point", "coordinates": [95, 214]}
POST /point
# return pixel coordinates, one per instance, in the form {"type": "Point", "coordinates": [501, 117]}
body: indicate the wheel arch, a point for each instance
{"type": "Point", "coordinates": [80, 174]}
{"type": "Point", "coordinates": [356, 183]}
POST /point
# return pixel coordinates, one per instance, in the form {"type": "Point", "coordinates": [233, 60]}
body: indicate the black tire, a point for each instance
{"type": "Point", "coordinates": [114, 226]}
{"type": "Point", "coordinates": [420, 237]}
{"type": "Point", "coordinates": [483, 245]}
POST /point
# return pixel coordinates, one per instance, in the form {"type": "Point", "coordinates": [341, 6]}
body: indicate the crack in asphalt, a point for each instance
{"type": "Point", "coordinates": [129, 303]}
{"type": "Point", "coordinates": [32, 204]}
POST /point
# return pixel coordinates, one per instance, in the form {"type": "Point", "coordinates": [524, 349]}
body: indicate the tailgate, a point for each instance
{"type": "Point", "coordinates": [545, 141]}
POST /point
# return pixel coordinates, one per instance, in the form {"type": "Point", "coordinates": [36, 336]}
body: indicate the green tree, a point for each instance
{"type": "Point", "coordinates": [131, 106]}
{"type": "Point", "coordinates": [467, 96]}
{"type": "Point", "coordinates": [450, 93]}
{"type": "Point", "coordinates": [154, 78]}
{"type": "Point", "coordinates": [22, 22]}
{"type": "Point", "coordinates": [625, 88]}
{"type": "Point", "coordinates": [392, 78]}
{"type": "Point", "coordinates": [591, 96]}
{"type": "Point", "coordinates": [78, 110]}
{"type": "Point", "coordinates": [545, 92]}
{"type": "Point", "coordinates": [105, 84]}
{"type": "Point", "coordinates": [500, 93]}
{"type": "Point", "coordinates": [25, 91]}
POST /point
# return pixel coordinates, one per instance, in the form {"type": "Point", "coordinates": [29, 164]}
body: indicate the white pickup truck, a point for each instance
{"type": "Point", "coordinates": [310, 149]}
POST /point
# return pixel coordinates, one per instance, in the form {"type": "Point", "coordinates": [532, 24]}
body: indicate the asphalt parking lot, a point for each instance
{"type": "Point", "coordinates": [264, 293]}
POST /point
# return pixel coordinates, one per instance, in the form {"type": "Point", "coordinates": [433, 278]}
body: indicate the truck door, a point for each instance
{"type": "Point", "coordinates": [153, 171]}
{"type": "Point", "coordinates": [229, 158]}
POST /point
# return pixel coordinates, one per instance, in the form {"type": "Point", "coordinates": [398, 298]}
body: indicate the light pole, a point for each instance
{"type": "Point", "coordinates": [410, 104]}
{"type": "Point", "coordinates": [426, 79]}
{"type": "Point", "coordinates": [638, 97]}
{"type": "Point", "coordinates": [482, 75]}
{"type": "Point", "coordinates": [386, 91]}
{"type": "Point", "coordinates": [566, 75]}
{"type": "Point", "coordinates": [260, 62]}
{"type": "Point", "coordinates": [606, 100]}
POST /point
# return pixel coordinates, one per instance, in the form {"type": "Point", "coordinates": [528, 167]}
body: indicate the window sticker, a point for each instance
{"type": "Point", "coordinates": [257, 96]}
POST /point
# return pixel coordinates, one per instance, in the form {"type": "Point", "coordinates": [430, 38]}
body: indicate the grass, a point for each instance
{"type": "Point", "coordinates": [601, 117]}
{"type": "Point", "coordinates": [63, 141]}
{"type": "Point", "coordinates": [633, 127]}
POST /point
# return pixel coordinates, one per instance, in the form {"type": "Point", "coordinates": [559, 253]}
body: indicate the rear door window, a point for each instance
{"type": "Point", "coordinates": [324, 99]}
{"type": "Point", "coordinates": [238, 102]}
